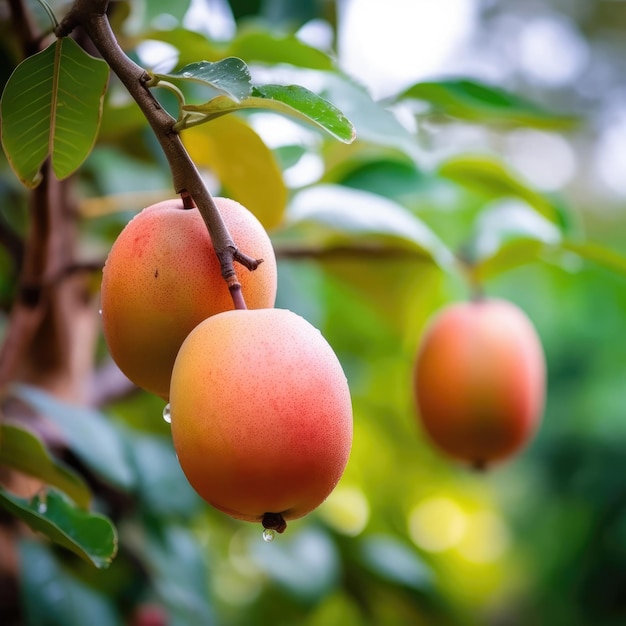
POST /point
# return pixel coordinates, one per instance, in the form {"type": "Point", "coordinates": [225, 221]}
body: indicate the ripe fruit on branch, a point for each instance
{"type": "Point", "coordinates": [479, 380]}
{"type": "Point", "coordinates": [162, 278]}
{"type": "Point", "coordinates": [261, 415]}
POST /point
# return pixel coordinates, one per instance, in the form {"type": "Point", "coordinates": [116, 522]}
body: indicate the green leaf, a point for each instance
{"type": "Point", "coordinates": [373, 122]}
{"type": "Point", "coordinates": [245, 166]}
{"type": "Point", "coordinates": [511, 233]}
{"type": "Point", "coordinates": [506, 221]}
{"type": "Point", "coordinates": [477, 102]}
{"type": "Point", "coordinates": [230, 76]}
{"type": "Point", "coordinates": [514, 254]}
{"type": "Point", "coordinates": [308, 106]}
{"type": "Point", "coordinates": [391, 177]}
{"type": "Point", "coordinates": [90, 435]}
{"type": "Point", "coordinates": [90, 536]}
{"type": "Point", "coordinates": [250, 43]}
{"type": "Point", "coordinates": [146, 12]}
{"type": "Point", "coordinates": [507, 234]}
{"type": "Point", "coordinates": [121, 122]}
{"type": "Point", "coordinates": [292, 100]}
{"type": "Point", "coordinates": [53, 594]}
{"type": "Point", "coordinates": [24, 451]}
{"type": "Point", "coordinates": [179, 573]}
{"type": "Point", "coordinates": [51, 107]}
{"type": "Point", "coordinates": [598, 254]}
{"type": "Point", "coordinates": [330, 216]}
{"type": "Point", "coordinates": [490, 177]}
{"type": "Point", "coordinates": [158, 472]}
{"type": "Point", "coordinates": [272, 48]}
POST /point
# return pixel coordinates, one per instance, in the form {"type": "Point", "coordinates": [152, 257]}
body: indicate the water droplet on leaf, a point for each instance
{"type": "Point", "coordinates": [187, 74]}
{"type": "Point", "coordinates": [42, 502]}
{"type": "Point", "coordinates": [268, 535]}
{"type": "Point", "coordinates": [167, 416]}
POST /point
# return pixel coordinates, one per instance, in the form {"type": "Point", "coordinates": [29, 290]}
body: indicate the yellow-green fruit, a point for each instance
{"type": "Point", "coordinates": [480, 380]}
{"type": "Point", "coordinates": [261, 414]}
{"type": "Point", "coordinates": [162, 278]}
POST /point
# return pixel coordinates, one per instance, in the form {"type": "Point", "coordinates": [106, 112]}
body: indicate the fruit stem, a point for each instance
{"type": "Point", "coordinates": [477, 293]}
{"type": "Point", "coordinates": [226, 258]}
{"type": "Point", "coordinates": [188, 202]}
{"type": "Point", "coordinates": [468, 267]}
{"type": "Point", "coordinates": [274, 521]}
{"type": "Point", "coordinates": [91, 15]}
{"type": "Point", "coordinates": [479, 465]}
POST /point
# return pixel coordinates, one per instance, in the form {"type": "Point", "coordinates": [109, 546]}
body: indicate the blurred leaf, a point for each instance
{"type": "Point", "coordinates": [120, 121]}
{"type": "Point", "coordinates": [477, 102]}
{"type": "Point", "coordinates": [386, 178]}
{"type": "Point", "coordinates": [24, 451]}
{"type": "Point", "coordinates": [598, 254]}
{"type": "Point", "coordinates": [191, 45]}
{"type": "Point", "coordinates": [51, 596]}
{"type": "Point", "coordinates": [489, 177]}
{"type": "Point", "coordinates": [305, 563]}
{"type": "Point", "coordinates": [51, 106]}
{"type": "Point", "coordinates": [162, 486]}
{"type": "Point", "coordinates": [397, 562]}
{"type": "Point", "coordinates": [266, 47]}
{"type": "Point", "coordinates": [179, 575]}
{"type": "Point", "coordinates": [376, 303]}
{"type": "Point", "coordinates": [510, 220]}
{"type": "Point", "coordinates": [146, 11]}
{"type": "Point", "coordinates": [507, 234]}
{"type": "Point", "coordinates": [292, 100]}
{"type": "Point", "coordinates": [89, 535]}
{"type": "Point", "coordinates": [510, 234]}
{"type": "Point", "coordinates": [515, 253]}
{"type": "Point", "coordinates": [90, 435]}
{"type": "Point", "coordinates": [245, 166]}
{"type": "Point", "coordinates": [230, 76]}
{"type": "Point", "coordinates": [330, 216]}
{"type": "Point", "coordinates": [251, 44]}
{"type": "Point", "coordinates": [288, 156]}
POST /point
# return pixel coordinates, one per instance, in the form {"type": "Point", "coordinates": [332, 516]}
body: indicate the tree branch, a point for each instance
{"type": "Point", "coordinates": [91, 16]}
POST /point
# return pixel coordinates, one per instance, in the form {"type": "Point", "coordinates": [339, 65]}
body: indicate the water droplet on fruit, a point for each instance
{"type": "Point", "coordinates": [99, 311]}
{"type": "Point", "coordinates": [268, 535]}
{"type": "Point", "coordinates": [167, 415]}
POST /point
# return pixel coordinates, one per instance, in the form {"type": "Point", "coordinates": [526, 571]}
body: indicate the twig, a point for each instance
{"type": "Point", "coordinates": [91, 16]}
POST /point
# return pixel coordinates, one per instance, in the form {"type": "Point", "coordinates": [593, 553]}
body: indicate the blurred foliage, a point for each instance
{"type": "Point", "coordinates": [371, 238]}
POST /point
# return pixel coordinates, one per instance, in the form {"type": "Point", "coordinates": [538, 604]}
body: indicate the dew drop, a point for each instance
{"type": "Point", "coordinates": [42, 504]}
{"type": "Point", "coordinates": [187, 74]}
{"type": "Point", "coordinates": [268, 535]}
{"type": "Point", "coordinates": [167, 415]}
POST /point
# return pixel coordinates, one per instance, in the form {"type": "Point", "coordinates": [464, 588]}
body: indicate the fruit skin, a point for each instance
{"type": "Point", "coordinates": [261, 414]}
{"type": "Point", "coordinates": [162, 278]}
{"type": "Point", "coordinates": [479, 380]}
